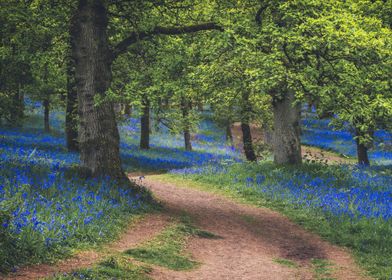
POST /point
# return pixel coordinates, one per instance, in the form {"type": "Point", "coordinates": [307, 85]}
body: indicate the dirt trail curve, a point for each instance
{"type": "Point", "coordinates": [251, 239]}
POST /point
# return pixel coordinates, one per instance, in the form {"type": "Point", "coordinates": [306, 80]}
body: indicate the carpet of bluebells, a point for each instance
{"type": "Point", "coordinates": [320, 133]}
{"type": "Point", "coordinates": [166, 150]}
{"type": "Point", "coordinates": [347, 191]}
{"type": "Point", "coordinates": [46, 211]}
{"type": "Point", "coordinates": [349, 205]}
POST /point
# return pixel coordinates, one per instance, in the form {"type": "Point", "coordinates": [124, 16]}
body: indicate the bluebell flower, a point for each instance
{"type": "Point", "coordinates": [88, 220]}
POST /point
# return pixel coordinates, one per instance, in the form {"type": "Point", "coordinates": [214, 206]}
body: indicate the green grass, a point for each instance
{"type": "Point", "coordinates": [168, 248]}
{"type": "Point", "coordinates": [286, 262]}
{"type": "Point", "coordinates": [369, 240]}
{"type": "Point", "coordinates": [322, 269]}
{"type": "Point", "coordinates": [114, 267]}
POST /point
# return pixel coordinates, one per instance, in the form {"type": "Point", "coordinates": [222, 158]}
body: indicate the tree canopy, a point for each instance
{"type": "Point", "coordinates": [252, 61]}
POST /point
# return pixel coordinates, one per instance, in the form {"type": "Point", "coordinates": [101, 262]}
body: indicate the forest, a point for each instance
{"type": "Point", "coordinates": [195, 139]}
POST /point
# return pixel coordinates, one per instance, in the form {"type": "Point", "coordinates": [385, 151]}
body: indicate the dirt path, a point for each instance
{"type": "Point", "coordinates": [140, 231]}
{"type": "Point", "coordinates": [251, 240]}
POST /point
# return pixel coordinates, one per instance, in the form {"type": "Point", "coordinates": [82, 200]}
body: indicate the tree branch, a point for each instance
{"type": "Point", "coordinates": [259, 13]}
{"type": "Point", "coordinates": [159, 30]}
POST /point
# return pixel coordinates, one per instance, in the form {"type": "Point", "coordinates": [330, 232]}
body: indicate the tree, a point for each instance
{"type": "Point", "coordinates": [49, 77]}
{"type": "Point", "coordinates": [145, 124]}
{"type": "Point", "coordinates": [17, 41]}
{"type": "Point", "coordinates": [356, 75]}
{"type": "Point", "coordinates": [178, 84]}
{"type": "Point", "coordinates": [185, 108]}
{"type": "Point", "coordinates": [98, 133]}
{"type": "Point", "coordinates": [339, 48]}
{"type": "Point", "coordinates": [33, 55]}
{"type": "Point", "coordinates": [134, 84]}
{"type": "Point", "coordinates": [226, 77]}
{"type": "Point", "coordinates": [279, 41]}
{"type": "Point", "coordinates": [246, 110]}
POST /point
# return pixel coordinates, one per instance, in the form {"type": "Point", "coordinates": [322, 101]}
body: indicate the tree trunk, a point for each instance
{"type": "Point", "coordinates": [286, 134]}
{"type": "Point", "coordinates": [362, 150]}
{"type": "Point", "coordinates": [98, 133]}
{"type": "Point", "coordinates": [185, 107]}
{"type": "Point", "coordinates": [151, 122]}
{"type": "Point", "coordinates": [165, 103]}
{"type": "Point", "coordinates": [229, 134]}
{"type": "Point", "coordinates": [246, 134]}
{"type": "Point", "coordinates": [145, 125]}
{"type": "Point", "coordinates": [156, 115]}
{"type": "Point", "coordinates": [247, 140]}
{"type": "Point", "coordinates": [127, 109]}
{"type": "Point", "coordinates": [187, 140]}
{"type": "Point", "coordinates": [71, 114]}
{"type": "Point", "coordinates": [46, 114]}
{"type": "Point", "coordinates": [17, 110]}
{"type": "Point", "coordinates": [21, 102]}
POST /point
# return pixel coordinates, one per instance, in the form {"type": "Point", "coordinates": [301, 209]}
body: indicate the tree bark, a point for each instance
{"type": "Point", "coordinates": [166, 103]}
{"type": "Point", "coordinates": [98, 133]}
{"type": "Point", "coordinates": [246, 133]}
{"type": "Point", "coordinates": [71, 114]}
{"type": "Point", "coordinates": [247, 140]}
{"type": "Point", "coordinates": [127, 109]}
{"type": "Point", "coordinates": [286, 133]}
{"type": "Point", "coordinates": [46, 114]}
{"type": "Point", "coordinates": [185, 107]}
{"type": "Point", "coordinates": [145, 124]}
{"type": "Point", "coordinates": [17, 110]}
{"type": "Point", "coordinates": [187, 140]}
{"type": "Point", "coordinates": [362, 153]}
{"type": "Point", "coordinates": [229, 134]}
{"type": "Point", "coordinates": [21, 103]}
{"type": "Point", "coordinates": [362, 150]}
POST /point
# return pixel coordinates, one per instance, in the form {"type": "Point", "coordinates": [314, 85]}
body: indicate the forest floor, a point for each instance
{"type": "Point", "coordinates": [248, 242]}
{"type": "Point", "coordinates": [308, 152]}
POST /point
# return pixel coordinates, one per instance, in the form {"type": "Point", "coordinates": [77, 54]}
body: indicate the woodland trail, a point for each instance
{"type": "Point", "coordinates": [251, 240]}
